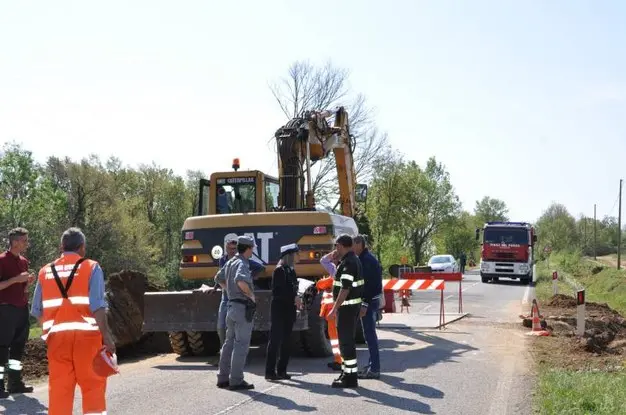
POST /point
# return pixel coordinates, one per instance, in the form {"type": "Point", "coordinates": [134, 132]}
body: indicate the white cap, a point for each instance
{"type": "Point", "coordinates": [288, 249]}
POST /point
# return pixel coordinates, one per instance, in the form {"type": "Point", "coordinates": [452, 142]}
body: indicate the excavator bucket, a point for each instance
{"type": "Point", "coordinates": [198, 310]}
{"type": "Point", "coordinates": [195, 311]}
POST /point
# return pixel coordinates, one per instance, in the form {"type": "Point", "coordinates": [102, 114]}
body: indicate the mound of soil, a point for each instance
{"type": "Point", "coordinates": [124, 293]}
{"type": "Point", "coordinates": [561, 300]}
{"type": "Point", "coordinates": [605, 328]}
{"type": "Point", "coordinates": [35, 360]}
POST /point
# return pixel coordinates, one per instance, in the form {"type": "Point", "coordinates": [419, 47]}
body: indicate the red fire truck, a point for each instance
{"type": "Point", "coordinates": [507, 251]}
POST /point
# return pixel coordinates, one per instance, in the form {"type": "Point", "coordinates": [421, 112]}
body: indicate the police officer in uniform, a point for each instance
{"type": "Point", "coordinates": [239, 316]}
{"type": "Point", "coordinates": [347, 294]}
{"type": "Point", "coordinates": [285, 300]}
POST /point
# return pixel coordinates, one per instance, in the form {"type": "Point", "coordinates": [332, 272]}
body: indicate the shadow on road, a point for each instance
{"type": "Point", "coordinates": [374, 396]}
{"type": "Point", "coordinates": [21, 404]}
{"type": "Point", "coordinates": [283, 403]}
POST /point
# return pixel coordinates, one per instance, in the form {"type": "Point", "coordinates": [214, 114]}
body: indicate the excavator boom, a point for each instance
{"type": "Point", "coordinates": [301, 143]}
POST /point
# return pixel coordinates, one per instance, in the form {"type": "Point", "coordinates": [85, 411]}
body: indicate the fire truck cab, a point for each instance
{"type": "Point", "coordinates": [507, 251]}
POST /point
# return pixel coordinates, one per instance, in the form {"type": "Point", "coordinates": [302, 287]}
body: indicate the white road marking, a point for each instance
{"type": "Point", "coordinates": [450, 296]}
{"type": "Point", "coordinates": [248, 399]}
{"type": "Point", "coordinates": [529, 295]}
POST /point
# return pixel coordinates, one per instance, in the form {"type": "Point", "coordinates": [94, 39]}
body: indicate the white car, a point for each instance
{"type": "Point", "coordinates": [443, 263]}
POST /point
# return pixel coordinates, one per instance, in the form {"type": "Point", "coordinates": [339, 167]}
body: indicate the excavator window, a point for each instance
{"type": "Point", "coordinates": [271, 194]}
{"type": "Point", "coordinates": [236, 196]}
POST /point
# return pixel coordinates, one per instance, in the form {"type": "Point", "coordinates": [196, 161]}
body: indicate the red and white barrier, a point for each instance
{"type": "Point", "coordinates": [427, 284]}
{"type": "Point", "coordinates": [396, 284]}
{"type": "Point", "coordinates": [445, 276]}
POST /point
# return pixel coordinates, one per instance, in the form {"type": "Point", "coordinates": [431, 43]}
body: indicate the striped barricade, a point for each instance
{"type": "Point", "coordinates": [396, 284]}
{"type": "Point", "coordinates": [446, 276]}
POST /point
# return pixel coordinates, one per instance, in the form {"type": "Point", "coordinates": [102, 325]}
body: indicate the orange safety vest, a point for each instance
{"type": "Point", "coordinates": [65, 297]}
{"type": "Point", "coordinates": [326, 286]}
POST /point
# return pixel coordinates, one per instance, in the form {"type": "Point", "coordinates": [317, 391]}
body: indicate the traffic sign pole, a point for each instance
{"type": "Point", "coordinates": [555, 283]}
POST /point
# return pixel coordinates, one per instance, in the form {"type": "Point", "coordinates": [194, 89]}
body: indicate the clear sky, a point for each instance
{"type": "Point", "coordinates": [522, 101]}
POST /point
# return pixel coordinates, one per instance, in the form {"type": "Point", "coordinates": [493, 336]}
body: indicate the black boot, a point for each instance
{"type": "Point", "coordinates": [15, 384]}
{"type": "Point", "coordinates": [346, 381]}
{"type": "Point", "coordinates": [3, 393]}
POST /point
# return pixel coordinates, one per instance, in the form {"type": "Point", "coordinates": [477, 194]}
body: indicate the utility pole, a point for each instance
{"type": "Point", "coordinates": [594, 231]}
{"type": "Point", "coordinates": [619, 228]}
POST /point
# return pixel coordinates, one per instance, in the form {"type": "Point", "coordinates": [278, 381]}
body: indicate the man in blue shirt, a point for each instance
{"type": "Point", "coordinates": [255, 267]}
{"type": "Point", "coordinates": [373, 276]}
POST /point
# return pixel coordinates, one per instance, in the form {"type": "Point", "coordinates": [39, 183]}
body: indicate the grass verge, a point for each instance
{"type": "Point", "coordinates": [563, 391]}
{"type": "Point", "coordinates": [571, 379]}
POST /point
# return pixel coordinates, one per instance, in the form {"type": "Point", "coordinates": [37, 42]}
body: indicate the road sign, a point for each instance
{"type": "Point", "coordinates": [555, 275]}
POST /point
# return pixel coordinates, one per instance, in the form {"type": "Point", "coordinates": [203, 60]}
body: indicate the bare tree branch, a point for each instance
{"type": "Point", "coordinates": [308, 87]}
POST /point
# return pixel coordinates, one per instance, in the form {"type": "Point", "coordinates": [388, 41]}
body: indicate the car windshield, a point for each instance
{"type": "Point", "coordinates": [506, 236]}
{"type": "Point", "coordinates": [440, 260]}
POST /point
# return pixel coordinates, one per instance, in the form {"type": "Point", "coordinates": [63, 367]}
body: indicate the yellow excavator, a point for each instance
{"type": "Point", "coordinates": [275, 212]}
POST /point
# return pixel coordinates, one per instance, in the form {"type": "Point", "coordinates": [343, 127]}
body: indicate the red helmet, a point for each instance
{"type": "Point", "coordinates": [105, 363]}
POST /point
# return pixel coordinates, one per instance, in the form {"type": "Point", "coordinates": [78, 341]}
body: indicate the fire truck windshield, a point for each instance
{"type": "Point", "coordinates": [506, 236]}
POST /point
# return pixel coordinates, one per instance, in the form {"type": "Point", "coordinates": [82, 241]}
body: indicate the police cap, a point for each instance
{"type": "Point", "coordinates": [288, 249]}
{"type": "Point", "coordinates": [246, 241]}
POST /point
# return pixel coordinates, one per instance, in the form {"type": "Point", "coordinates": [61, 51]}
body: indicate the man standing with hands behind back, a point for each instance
{"type": "Point", "coordinates": [14, 316]}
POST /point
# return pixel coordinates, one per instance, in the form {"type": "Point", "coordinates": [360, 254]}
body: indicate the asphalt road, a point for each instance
{"type": "Point", "coordinates": [475, 365]}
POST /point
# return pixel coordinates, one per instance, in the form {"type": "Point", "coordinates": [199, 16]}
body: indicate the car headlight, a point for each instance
{"type": "Point", "coordinates": [217, 252]}
{"type": "Point", "coordinates": [484, 266]}
{"type": "Point", "coordinates": [524, 268]}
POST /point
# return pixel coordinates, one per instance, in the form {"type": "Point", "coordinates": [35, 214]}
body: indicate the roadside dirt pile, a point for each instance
{"type": "Point", "coordinates": [35, 360]}
{"type": "Point", "coordinates": [605, 328]}
{"type": "Point", "coordinates": [124, 293]}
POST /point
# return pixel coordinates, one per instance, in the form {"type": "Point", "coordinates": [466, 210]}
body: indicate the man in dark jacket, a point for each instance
{"type": "Point", "coordinates": [373, 275]}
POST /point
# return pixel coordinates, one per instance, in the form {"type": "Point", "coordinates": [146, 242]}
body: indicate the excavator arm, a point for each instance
{"type": "Point", "coordinates": [302, 142]}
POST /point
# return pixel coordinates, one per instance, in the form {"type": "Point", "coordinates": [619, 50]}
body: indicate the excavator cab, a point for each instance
{"type": "Point", "coordinates": [237, 192]}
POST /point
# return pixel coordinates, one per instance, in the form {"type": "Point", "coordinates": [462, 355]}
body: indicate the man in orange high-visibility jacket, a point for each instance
{"type": "Point", "coordinates": [325, 285]}
{"type": "Point", "coordinates": [70, 306]}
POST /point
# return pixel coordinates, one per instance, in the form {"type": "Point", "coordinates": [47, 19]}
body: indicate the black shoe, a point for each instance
{"type": "Point", "coordinates": [20, 388]}
{"type": "Point", "coordinates": [271, 376]}
{"type": "Point", "coordinates": [223, 385]}
{"type": "Point", "coordinates": [284, 376]}
{"type": "Point", "coordinates": [3, 394]}
{"type": "Point", "coordinates": [242, 386]}
{"type": "Point", "coordinates": [346, 382]}
{"type": "Point", "coordinates": [334, 366]}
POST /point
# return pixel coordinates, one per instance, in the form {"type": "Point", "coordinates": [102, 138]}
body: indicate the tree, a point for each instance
{"type": "Point", "coordinates": [557, 228]}
{"type": "Point", "coordinates": [307, 87]}
{"type": "Point", "coordinates": [490, 210]}
{"type": "Point", "coordinates": [457, 236]}
{"type": "Point", "coordinates": [410, 204]}
{"type": "Point", "coordinates": [430, 202]}
{"type": "Point", "coordinates": [386, 193]}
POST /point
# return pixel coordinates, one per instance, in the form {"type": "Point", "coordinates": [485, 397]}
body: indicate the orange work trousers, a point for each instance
{"type": "Point", "coordinates": [334, 339]}
{"type": "Point", "coordinates": [70, 362]}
